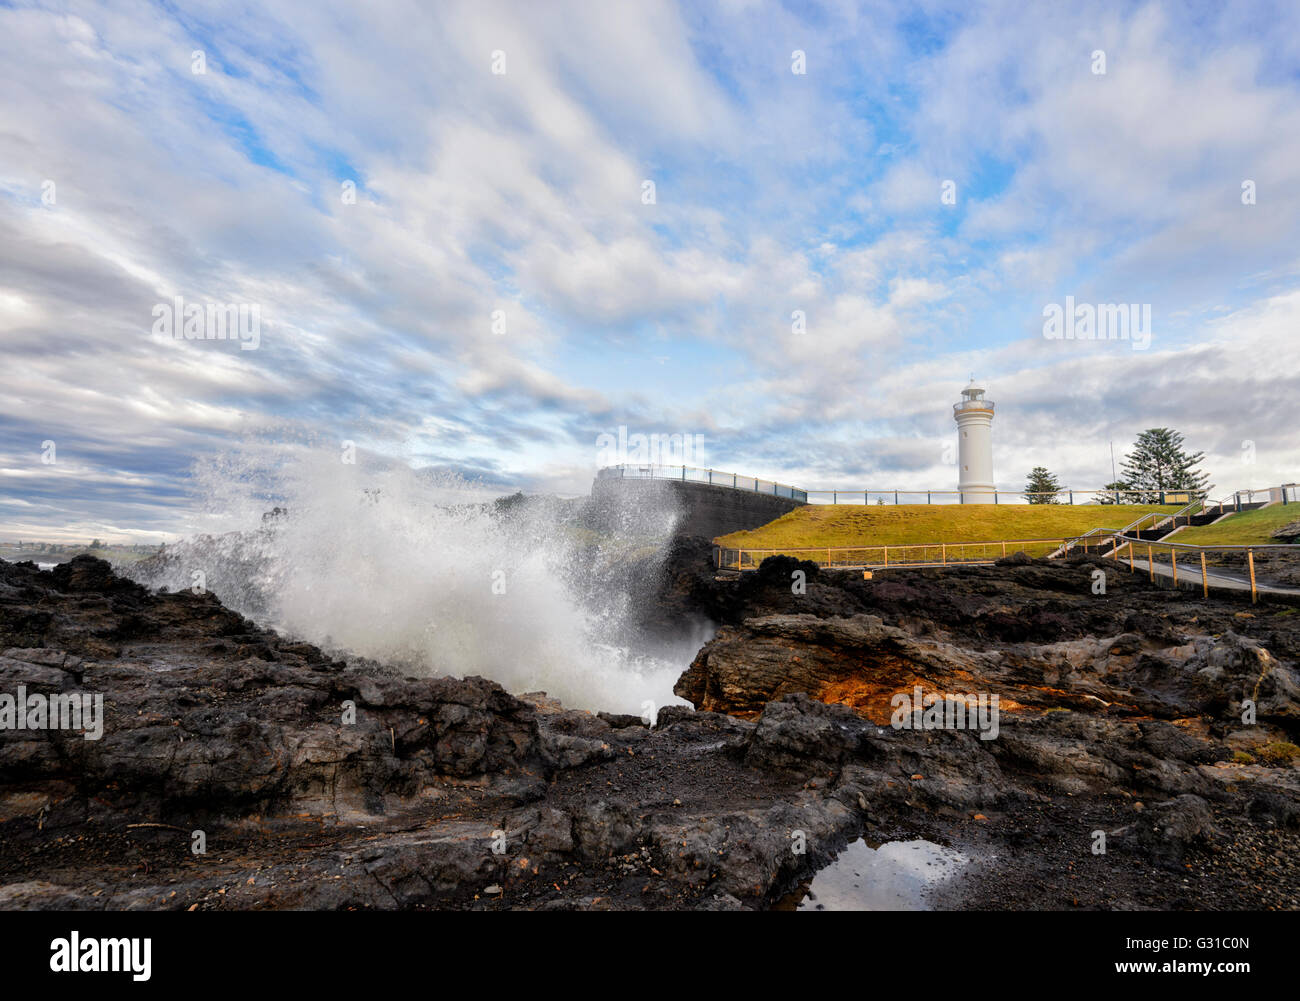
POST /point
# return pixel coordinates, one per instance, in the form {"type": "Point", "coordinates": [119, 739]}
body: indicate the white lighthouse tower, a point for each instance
{"type": "Point", "coordinates": [974, 416]}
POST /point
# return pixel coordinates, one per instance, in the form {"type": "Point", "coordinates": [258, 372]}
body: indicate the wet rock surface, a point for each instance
{"type": "Point", "coordinates": [1120, 721]}
{"type": "Point", "coordinates": [318, 783]}
{"type": "Point", "coordinates": [1120, 713]}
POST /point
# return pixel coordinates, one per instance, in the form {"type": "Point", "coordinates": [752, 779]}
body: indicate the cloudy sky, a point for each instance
{"type": "Point", "coordinates": [499, 155]}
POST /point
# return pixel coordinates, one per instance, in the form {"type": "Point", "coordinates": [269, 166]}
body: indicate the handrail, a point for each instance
{"type": "Point", "coordinates": [1152, 546]}
{"type": "Point", "coordinates": [1100, 496]}
{"type": "Point", "coordinates": [719, 478]}
{"type": "Point", "coordinates": [956, 554]}
{"type": "Point", "coordinates": [1114, 532]}
{"type": "Point", "coordinates": [1289, 547]}
{"type": "Point", "coordinates": [1143, 495]}
{"type": "Point", "coordinates": [1117, 537]}
{"type": "Point", "coordinates": [894, 545]}
{"type": "Point", "coordinates": [1136, 524]}
{"type": "Point", "coordinates": [944, 550]}
{"type": "Point", "coordinates": [700, 474]}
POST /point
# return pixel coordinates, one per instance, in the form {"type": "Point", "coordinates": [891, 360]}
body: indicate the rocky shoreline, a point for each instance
{"type": "Point", "coordinates": [319, 782]}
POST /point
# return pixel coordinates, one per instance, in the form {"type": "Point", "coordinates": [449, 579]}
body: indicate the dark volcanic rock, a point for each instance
{"type": "Point", "coordinates": [319, 783]}
{"type": "Point", "coordinates": [800, 734]}
{"type": "Point", "coordinates": [745, 667]}
{"type": "Point", "coordinates": [1176, 712]}
{"type": "Point", "coordinates": [248, 725]}
{"type": "Point", "coordinates": [1121, 713]}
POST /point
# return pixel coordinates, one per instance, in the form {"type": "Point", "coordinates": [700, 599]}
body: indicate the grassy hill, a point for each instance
{"type": "Point", "coordinates": [64, 553]}
{"type": "Point", "coordinates": [820, 525]}
{"type": "Point", "coordinates": [1242, 529]}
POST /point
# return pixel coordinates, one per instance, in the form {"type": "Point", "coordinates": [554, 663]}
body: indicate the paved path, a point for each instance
{"type": "Point", "coordinates": [1228, 580]}
{"type": "Point", "coordinates": [1188, 576]}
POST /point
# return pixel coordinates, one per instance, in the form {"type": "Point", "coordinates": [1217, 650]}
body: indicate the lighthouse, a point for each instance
{"type": "Point", "coordinates": [974, 416]}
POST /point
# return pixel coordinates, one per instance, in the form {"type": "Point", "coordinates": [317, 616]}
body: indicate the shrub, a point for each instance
{"type": "Point", "coordinates": [1279, 752]}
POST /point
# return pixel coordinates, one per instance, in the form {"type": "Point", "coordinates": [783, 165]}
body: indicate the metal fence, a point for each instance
{"type": "Point", "coordinates": [1096, 495]}
{"type": "Point", "coordinates": [737, 481]}
{"type": "Point", "coordinates": [713, 477]}
{"type": "Point", "coordinates": [914, 555]}
{"type": "Point", "coordinates": [1286, 493]}
{"type": "Point", "coordinates": [1256, 568]}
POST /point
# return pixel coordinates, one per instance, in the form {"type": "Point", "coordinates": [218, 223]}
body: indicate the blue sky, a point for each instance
{"type": "Point", "coordinates": [522, 192]}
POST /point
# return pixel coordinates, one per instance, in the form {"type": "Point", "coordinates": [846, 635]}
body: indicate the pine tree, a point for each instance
{"type": "Point", "coordinates": [1042, 487]}
{"type": "Point", "coordinates": [1115, 493]}
{"type": "Point", "coordinates": [1158, 463]}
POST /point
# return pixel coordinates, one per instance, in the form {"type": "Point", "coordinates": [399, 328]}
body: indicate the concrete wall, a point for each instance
{"type": "Point", "coordinates": [701, 509]}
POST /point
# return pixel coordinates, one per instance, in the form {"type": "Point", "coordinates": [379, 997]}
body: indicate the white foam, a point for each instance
{"type": "Point", "coordinates": [387, 562]}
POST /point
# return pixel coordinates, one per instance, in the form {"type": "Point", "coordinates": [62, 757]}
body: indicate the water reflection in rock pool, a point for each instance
{"type": "Point", "coordinates": [868, 877]}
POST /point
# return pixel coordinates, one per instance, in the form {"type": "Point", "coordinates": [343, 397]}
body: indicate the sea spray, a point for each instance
{"type": "Point", "coordinates": [425, 573]}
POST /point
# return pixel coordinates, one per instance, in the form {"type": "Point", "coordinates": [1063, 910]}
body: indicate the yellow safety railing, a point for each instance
{"type": "Point", "coordinates": [1188, 562]}
{"type": "Point", "coordinates": [903, 495]}
{"type": "Point", "coordinates": [908, 554]}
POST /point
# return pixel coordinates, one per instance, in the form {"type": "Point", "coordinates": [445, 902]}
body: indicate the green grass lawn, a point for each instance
{"type": "Point", "coordinates": [816, 526]}
{"type": "Point", "coordinates": [1242, 529]}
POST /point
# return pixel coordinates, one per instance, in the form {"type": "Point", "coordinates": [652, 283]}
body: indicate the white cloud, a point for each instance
{"type": "Point", "coordinates": [521, 193]}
